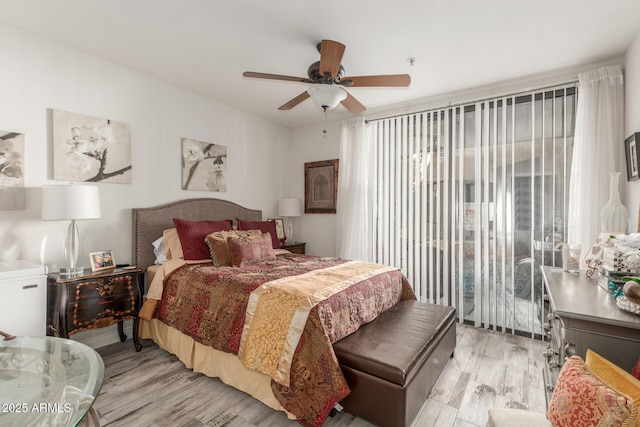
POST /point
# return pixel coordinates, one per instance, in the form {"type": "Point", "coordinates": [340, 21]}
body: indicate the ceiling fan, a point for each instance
{"type": "Point", "coordinates": [328, 80]}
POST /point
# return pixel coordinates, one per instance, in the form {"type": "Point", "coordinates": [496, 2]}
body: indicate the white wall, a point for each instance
{"type": "Point", "coordinates": [632, 124]}
{"type": "Point", "coordinates": [38, 75]}
{"type": "Point", "coordinates": [310, 144]}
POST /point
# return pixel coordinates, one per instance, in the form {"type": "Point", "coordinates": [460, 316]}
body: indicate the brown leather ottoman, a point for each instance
{"type": "Point", "coordinates": [391, 363]}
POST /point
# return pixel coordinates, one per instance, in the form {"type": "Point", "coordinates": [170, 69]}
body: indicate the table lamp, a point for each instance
{"type": "Point", "coordinates": [289, 208]}
{"type": "Point", "coordinates": [70, 202]}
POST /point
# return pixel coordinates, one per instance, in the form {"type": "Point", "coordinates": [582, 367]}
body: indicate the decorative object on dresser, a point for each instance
{"type": "Point", "coordinates": [581, 315]}
{"type": "Point", "coordinates": [81, 144]}
{"type": "Point", "coordinates": [93, 300]}
{"type": "Point", "coordinates": [23, 297]}
{"type": "Point", "coordinates": [296, 248]}
{"type": "Point", "coordinates": [321, 186]}
{"type": "Point", "coordinates": [289, 208]}
{"type": "Point", "coordinates": [102, 260]}
{"type": "Point", "coordinates": [631, 151]}
{"type": "Point", "coordinates": [70, 202]}
{"type": "Point", "coordinates": [595, 255]}
{"type": "Point", "coordinates": [11, 170]}
{"type": "Point", "coordinates": [614, 215]}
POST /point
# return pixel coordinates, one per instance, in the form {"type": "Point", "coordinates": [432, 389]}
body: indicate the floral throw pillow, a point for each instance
{"type": "Point", "coordinates": [582, 399]}
{"type": "Point", "coordinates": [247, 250]}
{"type": "Point", "coordinates": [219, 248]}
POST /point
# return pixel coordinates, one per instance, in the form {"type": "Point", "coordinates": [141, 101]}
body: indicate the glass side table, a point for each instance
{"type": "Point", "coordinates": [48, 381]}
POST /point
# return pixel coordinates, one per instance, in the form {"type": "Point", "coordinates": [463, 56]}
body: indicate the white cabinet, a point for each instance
{"type": "Point", "coordinates": [23, 296]}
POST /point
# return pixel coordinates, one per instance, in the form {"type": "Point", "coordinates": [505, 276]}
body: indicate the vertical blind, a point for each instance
{"type": "Point", "coordinates": [470, 200]}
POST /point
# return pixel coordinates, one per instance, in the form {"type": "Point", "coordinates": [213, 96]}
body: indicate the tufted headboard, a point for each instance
{"type": "Point", "coordinates": [149, 223]}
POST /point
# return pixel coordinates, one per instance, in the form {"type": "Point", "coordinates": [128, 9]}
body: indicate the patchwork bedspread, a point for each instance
{"type": "Point", "coordinates": [281, 318]}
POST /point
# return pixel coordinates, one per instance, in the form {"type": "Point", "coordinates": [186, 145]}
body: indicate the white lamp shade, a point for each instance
{"type": "Point", "coordinates": [326, 96]}
{"type": "Point", "coordinates": [289, 207]}
{"type": "Point", "coordinates": [70, 202]}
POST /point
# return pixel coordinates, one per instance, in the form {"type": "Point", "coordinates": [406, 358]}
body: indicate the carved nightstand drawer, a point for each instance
{"type": "Point", "coordinates": [103, 287]}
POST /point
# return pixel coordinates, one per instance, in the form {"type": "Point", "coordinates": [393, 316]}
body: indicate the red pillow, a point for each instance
{"type": "Point", "coordinates": [192, 236]}
{"type": "Point", "coordinates": [636, 370]}
{"type": "Point", "coordinates": [247, 250]}
{"type": "Point", "coordinates": [264, 226]}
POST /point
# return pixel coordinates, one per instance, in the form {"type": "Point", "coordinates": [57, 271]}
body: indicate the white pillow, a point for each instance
{"type": "Point", "coordinates": [158, 250]}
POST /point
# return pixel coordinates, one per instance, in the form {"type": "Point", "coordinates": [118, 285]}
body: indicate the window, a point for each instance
{"type": "Point", "coordinates": [470, 200]}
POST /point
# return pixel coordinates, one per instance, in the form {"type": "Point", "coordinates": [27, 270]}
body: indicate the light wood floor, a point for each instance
{"type": "Point", "coordinates": [153, 388]}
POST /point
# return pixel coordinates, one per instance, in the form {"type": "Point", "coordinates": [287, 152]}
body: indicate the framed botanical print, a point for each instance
{"type": "Point", "coordinates": [204, 166]}
{"type": "Point", "coordinates": [321, 186]}
{"type": "Point", "coordinates": [90, 149]}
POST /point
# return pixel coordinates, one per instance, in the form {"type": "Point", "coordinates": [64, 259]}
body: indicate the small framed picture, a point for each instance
{"type": "Point", "coordinates": [102, 260]}
{"type": "Point", "coordinates": [631, 150]}
{"type": "Point", "coordinates": [282, 237]}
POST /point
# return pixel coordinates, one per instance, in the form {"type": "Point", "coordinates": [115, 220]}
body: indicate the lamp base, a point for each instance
{"type": "Point", "coordinates": [71, 271]}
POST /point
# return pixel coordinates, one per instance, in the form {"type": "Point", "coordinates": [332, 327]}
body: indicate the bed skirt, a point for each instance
{"type": "Point", "coordinates": [211, 362]}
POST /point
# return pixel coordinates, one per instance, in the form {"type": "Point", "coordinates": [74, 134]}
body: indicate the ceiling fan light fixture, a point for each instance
{"type": "Point", "coordinates": [326, 96]}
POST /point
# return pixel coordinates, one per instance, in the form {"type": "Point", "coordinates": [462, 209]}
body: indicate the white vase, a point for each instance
{"type": "Point", "coordinates": [614, 215]}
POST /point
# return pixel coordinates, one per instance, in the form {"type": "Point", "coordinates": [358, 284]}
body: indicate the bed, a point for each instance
{"type": "Point", "coordinates": [216, 319]}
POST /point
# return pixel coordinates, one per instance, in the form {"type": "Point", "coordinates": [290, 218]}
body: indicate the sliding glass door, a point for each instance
{"type": "Point", "coordinates": [470, 200]}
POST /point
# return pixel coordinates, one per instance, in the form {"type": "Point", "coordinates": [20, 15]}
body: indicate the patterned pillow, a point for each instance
{"type": "Point", "coordinates": [614, 376]}
{"type": "Point", "coordinates": [218, 247]}
{"type": "Point", "coordinates": [247, 250]}
{"type": "Point", "coordinates": [264, 226]}
{"type": "Point", "coordinates": [582, 399]}
{"type": "Point", "coordinates": [192, 234]}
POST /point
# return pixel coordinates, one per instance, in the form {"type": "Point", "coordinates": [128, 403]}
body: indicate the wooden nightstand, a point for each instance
{"type": "Point", "coordinates": [296, 248]}
{"type": "Point", "coordinates": [93, 300]}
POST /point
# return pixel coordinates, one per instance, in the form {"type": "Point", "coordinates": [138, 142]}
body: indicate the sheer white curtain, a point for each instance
{"type": "Point", "coordinates": [596, 152]}
{"type": "Point", "coordinates": [353, 230]}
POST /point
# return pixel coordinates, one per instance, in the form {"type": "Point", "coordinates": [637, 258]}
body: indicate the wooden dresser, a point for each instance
{"type": "Point", "coordinates": [581, 315]}
{"type": "Point", "coordinates": [92, 300]}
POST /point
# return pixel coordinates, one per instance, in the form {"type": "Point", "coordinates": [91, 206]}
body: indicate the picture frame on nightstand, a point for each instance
{"type": "Point", "coordinates": [282, 237]}
{"type": "Point", "coordinates": [102, 260]}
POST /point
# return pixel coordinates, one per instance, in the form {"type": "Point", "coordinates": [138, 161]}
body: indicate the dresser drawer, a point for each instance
{"type": "Point", "coordinates": [101, 287]}
{"type": "Point", "coordinates": [98, 313]}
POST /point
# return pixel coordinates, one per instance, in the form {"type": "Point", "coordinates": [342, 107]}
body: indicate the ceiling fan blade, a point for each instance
{"type": "Point", "coordinates": [276, 77]}
{"type": "Point", "coordinates": [330, 57]}
{"type": "Point", "coordinates": [352, 104]}
{"type": "Point", "coordinates": [295, 101]}
{"type": "Point", "coordinates": [390, 80]}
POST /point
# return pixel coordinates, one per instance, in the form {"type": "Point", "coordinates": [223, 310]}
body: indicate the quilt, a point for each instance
{"type": "Point", "coordinates": [281, 317]}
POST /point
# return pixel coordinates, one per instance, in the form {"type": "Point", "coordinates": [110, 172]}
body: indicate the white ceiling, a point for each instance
{"type": "Point", "coordinates": [205, 45]}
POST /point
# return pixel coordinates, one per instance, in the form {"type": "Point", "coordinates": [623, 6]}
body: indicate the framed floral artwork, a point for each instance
{"type": "Point", "coordinates": [204, 166]}
{"type": "Point", "coordinates": [90, 149]}
{"type": "Point", "coordinates": [12, 192]}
